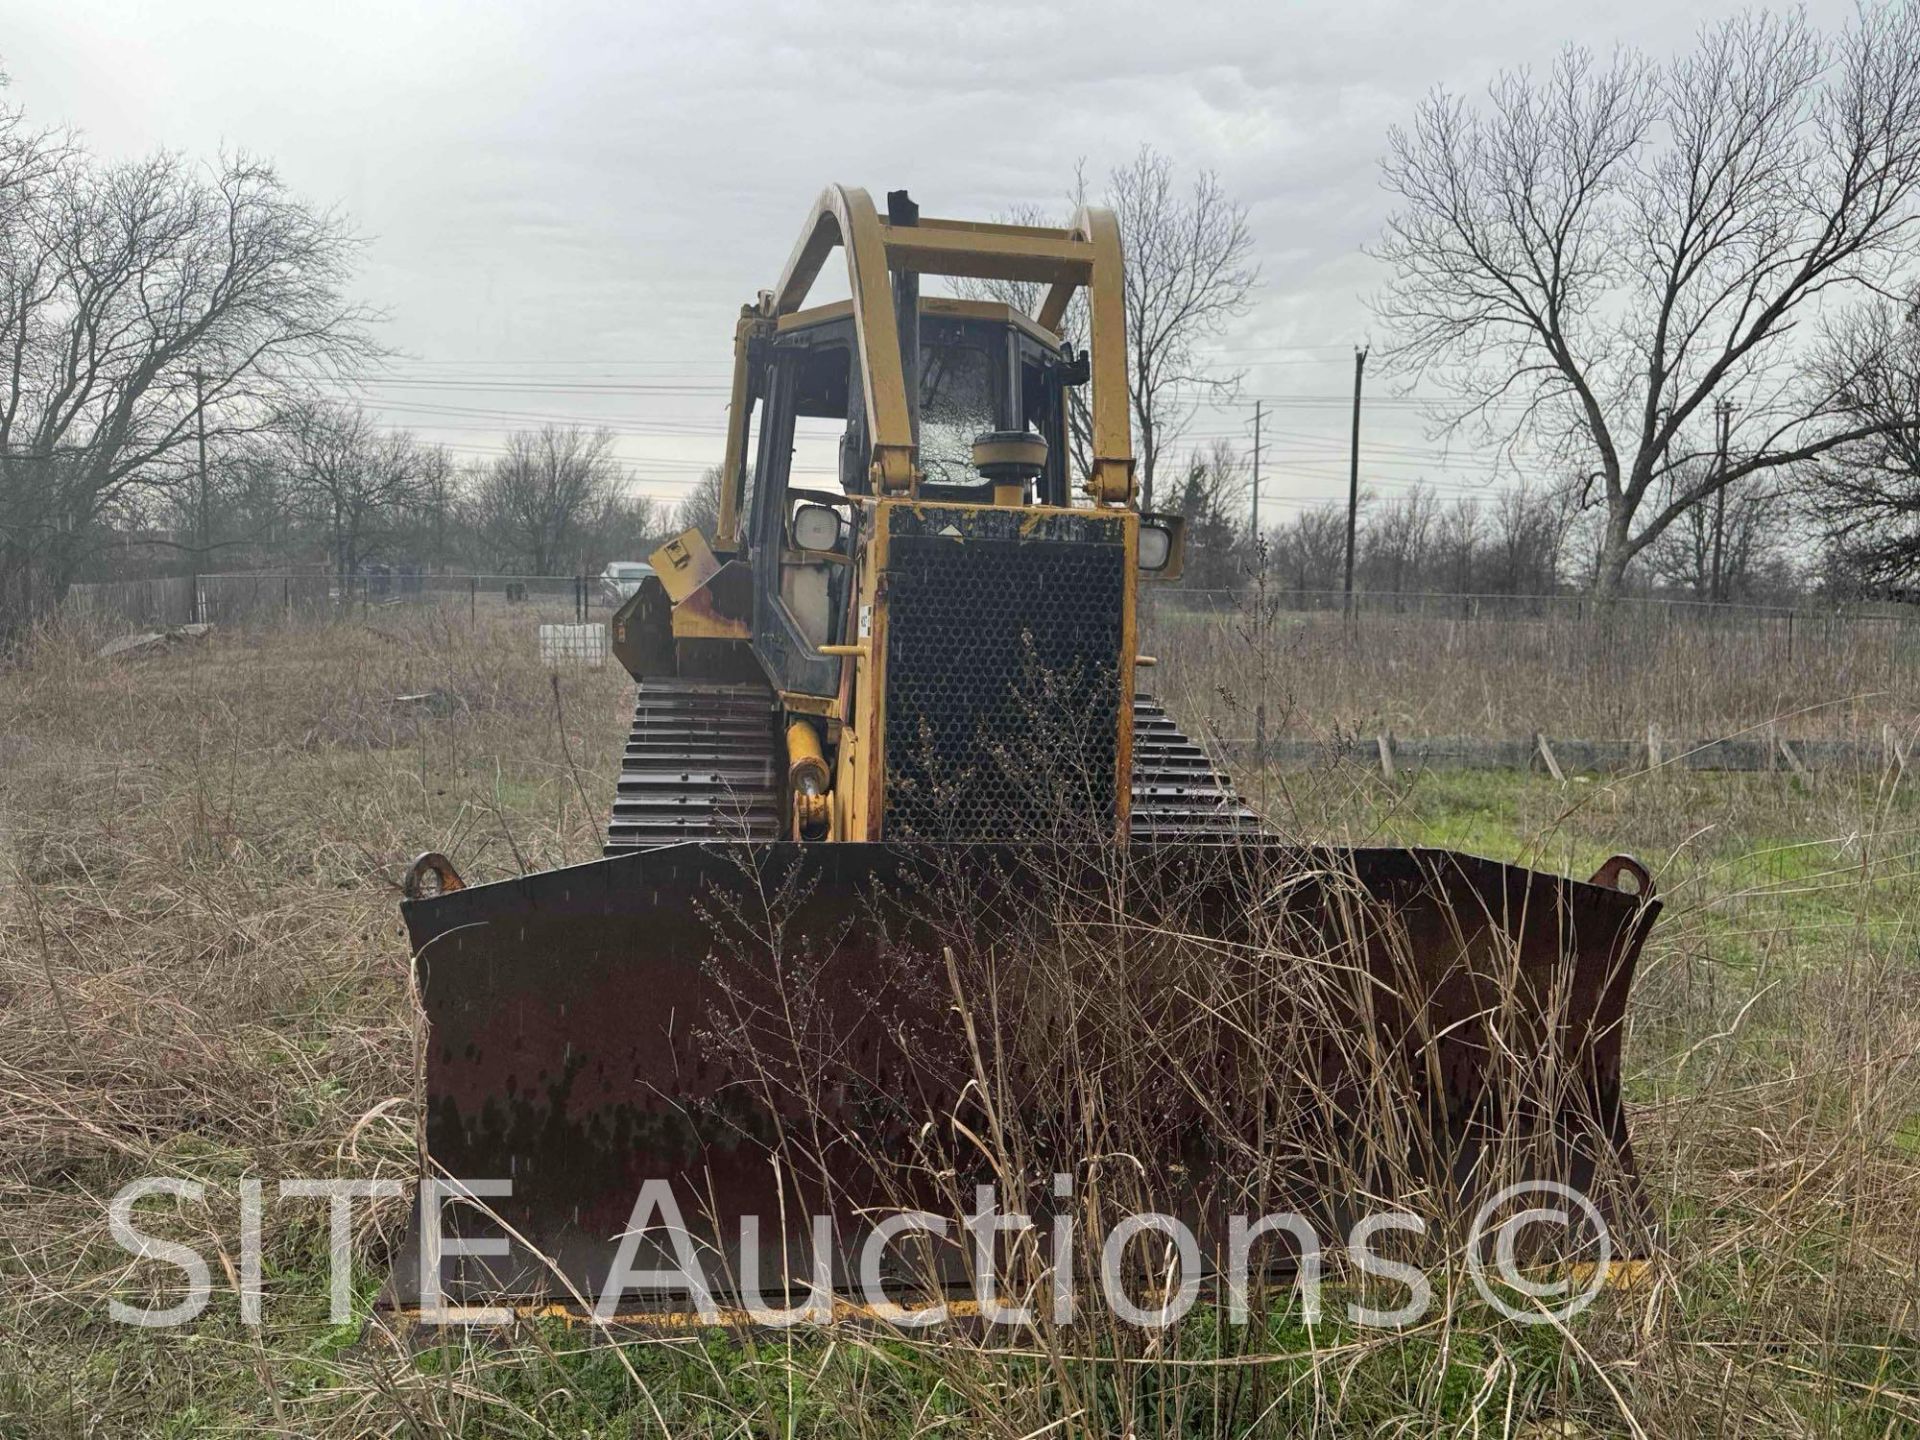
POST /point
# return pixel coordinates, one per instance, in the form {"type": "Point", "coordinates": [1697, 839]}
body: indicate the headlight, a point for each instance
{"type": "Point", "coordinates": [1156, 546]}
{"type": "Point", "coordinates": [816, 527]}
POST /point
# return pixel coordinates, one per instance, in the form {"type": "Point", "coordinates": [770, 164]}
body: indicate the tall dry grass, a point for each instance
{"type": "Point", "coordinates": [203, 975]}
{"type": "Point", "coordinates": [201, 961]}
{"type": "Point", "coordinates": [1697, 676]}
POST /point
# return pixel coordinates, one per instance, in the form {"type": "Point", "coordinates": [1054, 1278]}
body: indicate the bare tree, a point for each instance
{"type": "Point", "coordinates": [137, 300]}
{"type": "Point", "coordinates": [32, 166]}
{"type": "Point", "coordinates": [1525, 537]}
{"type": "Point", "coordinates": [1459, 535]}
{"type": "Point", "coordinates": [1865, 496]}
{"type": "Point", "coordinates": [537, 503]}
{"type": "Point", "coordinates": [1594, 256]}
{"type": "Point", "coordinates": [1511, 543]}
{"type": "Point", "coordinates": [1189, 271]}
{"type": "Point", "coordinates": [1308, 552]}
{"type": "Point", "coordinates": [357, 484]}
{"type": "Point", "coordinates": [1397, 543]}
{"type": "Point", "coordinates": [700, 509]}
{"type": "Point", "coordinates": [1743, 525]}
{"type": "Point", "coordinates": [247, 515]}
{"type": "Point", "coordinates": [1212, 499]}
{"type": "Point", "coordinates": [628, 528]}
{"type": "Point", "coordinates": [438, 504]}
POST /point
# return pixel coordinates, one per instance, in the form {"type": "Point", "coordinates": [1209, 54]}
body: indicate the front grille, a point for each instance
{"type": "Point", "coordinates": [1002, 676]}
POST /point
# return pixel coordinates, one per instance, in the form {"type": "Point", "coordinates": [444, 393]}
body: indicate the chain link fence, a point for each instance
{"type": "Point", "coordinates": [282, 597]}
{"type": "Point", "coordinates": [1467, 606]}
{"type": "Point", "coordinates": [1452, 664]}
{"type": "Point", "coordinates": [1428, 662]}
{"type": "Point", "coordinates": [264, 597]}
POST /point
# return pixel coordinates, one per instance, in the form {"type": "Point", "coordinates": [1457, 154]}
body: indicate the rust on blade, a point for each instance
{"type": "Point", "coordinates": [771, 1029]}
{"type": "Point", "coordinates": [431, 874]}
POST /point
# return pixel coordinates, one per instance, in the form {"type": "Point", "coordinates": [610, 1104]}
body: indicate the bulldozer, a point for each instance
{"type": "Point", "coordinates": [831, 770]}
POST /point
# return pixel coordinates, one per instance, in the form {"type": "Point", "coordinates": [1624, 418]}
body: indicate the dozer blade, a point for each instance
{"type": "Point", "coordinates": [781, 1030]}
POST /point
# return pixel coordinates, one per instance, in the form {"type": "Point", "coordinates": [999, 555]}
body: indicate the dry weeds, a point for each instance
{"type": "Point", "coordinates": [203, 975]}
{"type": "Point", "coordinates": [1696, 676]}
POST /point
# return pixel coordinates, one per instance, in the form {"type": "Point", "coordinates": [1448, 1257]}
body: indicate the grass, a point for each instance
{"type": "Point", "coordinates": [203, 975]}
{"type": "Point", "coordinates": [1606, 679]}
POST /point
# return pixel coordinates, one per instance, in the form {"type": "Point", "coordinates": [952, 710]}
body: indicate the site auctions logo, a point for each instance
{"type": "Point", "coordinates": [658, 1224]}
{"type": "Point", "coordinates": [1511, 1273]}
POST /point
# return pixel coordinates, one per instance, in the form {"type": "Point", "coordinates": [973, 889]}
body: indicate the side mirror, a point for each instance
{"type": "Point", "coordinates": [1161, 552]}
{"type": "Point", "coordinates": [816, 527]}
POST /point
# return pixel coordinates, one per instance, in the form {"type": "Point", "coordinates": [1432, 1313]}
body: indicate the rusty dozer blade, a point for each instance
{"type": "Point", "coordinates": [779, 1030]}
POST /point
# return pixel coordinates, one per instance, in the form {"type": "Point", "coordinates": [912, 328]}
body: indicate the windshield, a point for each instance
{"type": "Point", "coordinates": [957, 395]}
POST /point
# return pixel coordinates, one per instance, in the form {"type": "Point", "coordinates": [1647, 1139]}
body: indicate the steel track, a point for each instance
{"type": "Point", "coordinates": [702, 762]}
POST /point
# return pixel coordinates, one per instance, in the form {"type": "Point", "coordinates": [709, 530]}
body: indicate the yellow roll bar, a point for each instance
{"type": "Point", "coordinates": [1086, 254]}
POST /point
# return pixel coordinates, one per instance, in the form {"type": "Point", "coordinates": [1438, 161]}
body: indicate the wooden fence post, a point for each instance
{"type": "Point", "coordinates": [1655, 753]}
{"type": "Point", "coordinates": [1385, 742]}
{"type": "Point", "coordinates": [1792, 759]}
{"type": "Point", "coordinates": [1546, 754]}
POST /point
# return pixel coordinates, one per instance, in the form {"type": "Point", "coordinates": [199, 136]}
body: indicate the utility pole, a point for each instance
{"type": "Point", "coordinates": [1256, 481]}
{"type": "Point", "coordinates": [1262, 614]}
{"type": "Point", "coordinates": [439, 517]}
{"type": "Point", "coordinates": [200, 421]}
{"type": "Point", "coordinates": [1723, 421]}
{"type": "Point", "coordinates": [1353, 474]}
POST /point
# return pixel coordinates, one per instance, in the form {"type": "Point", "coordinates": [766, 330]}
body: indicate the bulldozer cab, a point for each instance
{"type": "Point", "coordinates": [982, 369]}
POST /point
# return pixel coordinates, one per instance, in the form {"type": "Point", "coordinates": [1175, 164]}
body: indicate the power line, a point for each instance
{"type": "Point", "coordinates": [630, 387]}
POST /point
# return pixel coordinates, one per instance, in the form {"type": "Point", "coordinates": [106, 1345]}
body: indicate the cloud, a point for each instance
{"type": "Point", "coordinates": [605, 183]}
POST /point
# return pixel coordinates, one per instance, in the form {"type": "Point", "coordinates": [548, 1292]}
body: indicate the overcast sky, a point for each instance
{"type": "Point", "coordinates": [566, 203]}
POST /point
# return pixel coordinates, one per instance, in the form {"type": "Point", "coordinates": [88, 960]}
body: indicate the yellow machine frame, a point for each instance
{"type": "Point", "coordinates": [1086, 254]}
{"type": "Point", "coordinates": [859, 790]}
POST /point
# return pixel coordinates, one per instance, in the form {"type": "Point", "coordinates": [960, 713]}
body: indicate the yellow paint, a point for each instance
{"type": "Point", "coordinates": [975, 252]}
{"type": "Point", "coordinates": [1129, 644]}
{"type": "Point", "coordinates": [988, 310]}
{"type": "Point", "coordinates": [945, 305]}
{"type": "Point", "coordinates": [813, 315]}
{"type": "Point", "coordinates": [844, 217]}
{"type": "Point", "coordinates": [1621, 1274]}
{"type": "Point", "coordinates": [804, 755]}
{"type": "Point", "coordinates": [753, 323]}
{"type": "Point", "coordinates": [861, 780]}
{"type": "Point", "coordinates": [824, 706]}
{"type": "Point", "coordinates": [730, 1317]}
{"type": "Point", "coordinates": [1085, 255]}
{"type": "Point", "coordinates": [684, 564]}
{"type": "Point", "coordinates": [691, 622]}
